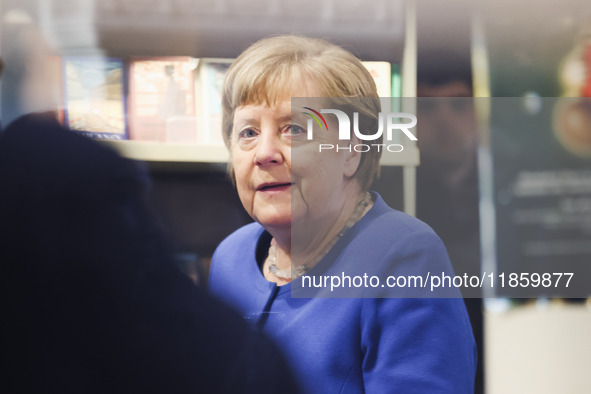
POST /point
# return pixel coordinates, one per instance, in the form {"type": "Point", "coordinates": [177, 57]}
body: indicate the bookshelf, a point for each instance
{"type": "Point", "coordinates": [168, 152]}
{"type": "Point", "coordinates": [183, 153]}
{"type": "Point", "coordinates": [382, 30]}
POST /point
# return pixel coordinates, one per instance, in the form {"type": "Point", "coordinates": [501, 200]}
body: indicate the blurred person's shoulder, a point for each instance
{"type": "Point", "coordinates": [38, 146]}
{"type": "Point", "coordinates": [34, 130]}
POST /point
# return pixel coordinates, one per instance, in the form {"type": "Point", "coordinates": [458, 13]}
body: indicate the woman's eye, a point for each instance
{"type": "Point", "coordinates": [295, 130]}
{"type": "Point", "coordinates": [247, 133]}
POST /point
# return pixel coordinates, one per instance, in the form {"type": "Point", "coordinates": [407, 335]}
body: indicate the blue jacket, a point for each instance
{"type": "Point", "coordinates": [349, 341]}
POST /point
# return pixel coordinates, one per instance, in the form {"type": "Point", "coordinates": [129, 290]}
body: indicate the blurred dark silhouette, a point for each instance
{"type": "Point", "coordinates": [93, 300]}
{"type": "Point", "coordinates": [447, 179]}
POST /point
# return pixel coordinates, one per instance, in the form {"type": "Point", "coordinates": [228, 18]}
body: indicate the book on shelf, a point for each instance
{"type": "Point", "coordinates": [94, 98]}
{"type": "Point", "coordinates": [382, 76]}
{"type": "Point", "coordinates": [162, 105]}
{"type": "Point", "coordinates": [209, 80]}
{"type": "Point", "coordinates": [176, 99]}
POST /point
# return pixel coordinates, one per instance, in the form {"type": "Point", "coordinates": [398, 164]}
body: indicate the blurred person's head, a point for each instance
{"type": "Point", "coordinates": [446, 126]}
{"type": "Point", "coordinates": [29, 84]}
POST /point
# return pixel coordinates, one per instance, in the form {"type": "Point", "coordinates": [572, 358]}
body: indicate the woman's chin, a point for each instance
{"type": "Point", "coordinates": [275, 222]}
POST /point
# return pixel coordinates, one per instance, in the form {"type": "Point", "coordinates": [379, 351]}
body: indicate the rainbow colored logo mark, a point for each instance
{"type": "Point", "coordinates": [316, 117]}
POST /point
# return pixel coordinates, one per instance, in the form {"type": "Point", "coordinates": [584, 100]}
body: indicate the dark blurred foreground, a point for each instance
{"type": "Point", "coordinates": [93, 302]}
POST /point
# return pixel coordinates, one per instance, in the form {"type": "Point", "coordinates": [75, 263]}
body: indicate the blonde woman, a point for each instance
{"type": "Point", "coordinates": [318, 207]}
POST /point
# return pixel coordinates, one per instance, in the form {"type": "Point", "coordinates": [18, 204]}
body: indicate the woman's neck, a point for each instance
{"type": "Point", "coordinates": [303, 245]}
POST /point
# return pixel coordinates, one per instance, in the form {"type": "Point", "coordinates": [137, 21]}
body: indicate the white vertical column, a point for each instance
{"type": "Point", "coordinates": [409, 89]}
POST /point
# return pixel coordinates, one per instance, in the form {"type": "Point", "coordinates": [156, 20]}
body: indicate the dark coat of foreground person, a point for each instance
{"type": "Point", "coordinates": [93, 302]}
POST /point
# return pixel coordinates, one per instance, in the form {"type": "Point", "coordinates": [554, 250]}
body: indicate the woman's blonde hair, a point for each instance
{"type": "Point", "coordinates": [273, 67]}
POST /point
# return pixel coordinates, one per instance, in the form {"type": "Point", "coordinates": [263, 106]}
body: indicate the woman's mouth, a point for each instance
{"type": "Point", "coordinates": [274, 187]}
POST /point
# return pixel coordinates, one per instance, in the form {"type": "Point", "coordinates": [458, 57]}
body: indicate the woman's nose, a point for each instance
{"type": "Point", "coordinates": [269, 150]}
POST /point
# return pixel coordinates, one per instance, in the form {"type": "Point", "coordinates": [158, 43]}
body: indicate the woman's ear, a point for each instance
{"type": "Point", "coordinates": [352, 158]}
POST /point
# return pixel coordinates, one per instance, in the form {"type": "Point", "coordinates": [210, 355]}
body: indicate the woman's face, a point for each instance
{"type": "Point", "coordinates": [281, 177]}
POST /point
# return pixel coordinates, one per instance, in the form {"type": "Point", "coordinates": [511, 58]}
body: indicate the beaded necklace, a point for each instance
{"type": "Point", "coordinates": [290, 274]}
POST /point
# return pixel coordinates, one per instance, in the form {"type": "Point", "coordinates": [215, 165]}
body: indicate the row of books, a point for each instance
{"type": "Point", "coordinates": [165, 99]}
